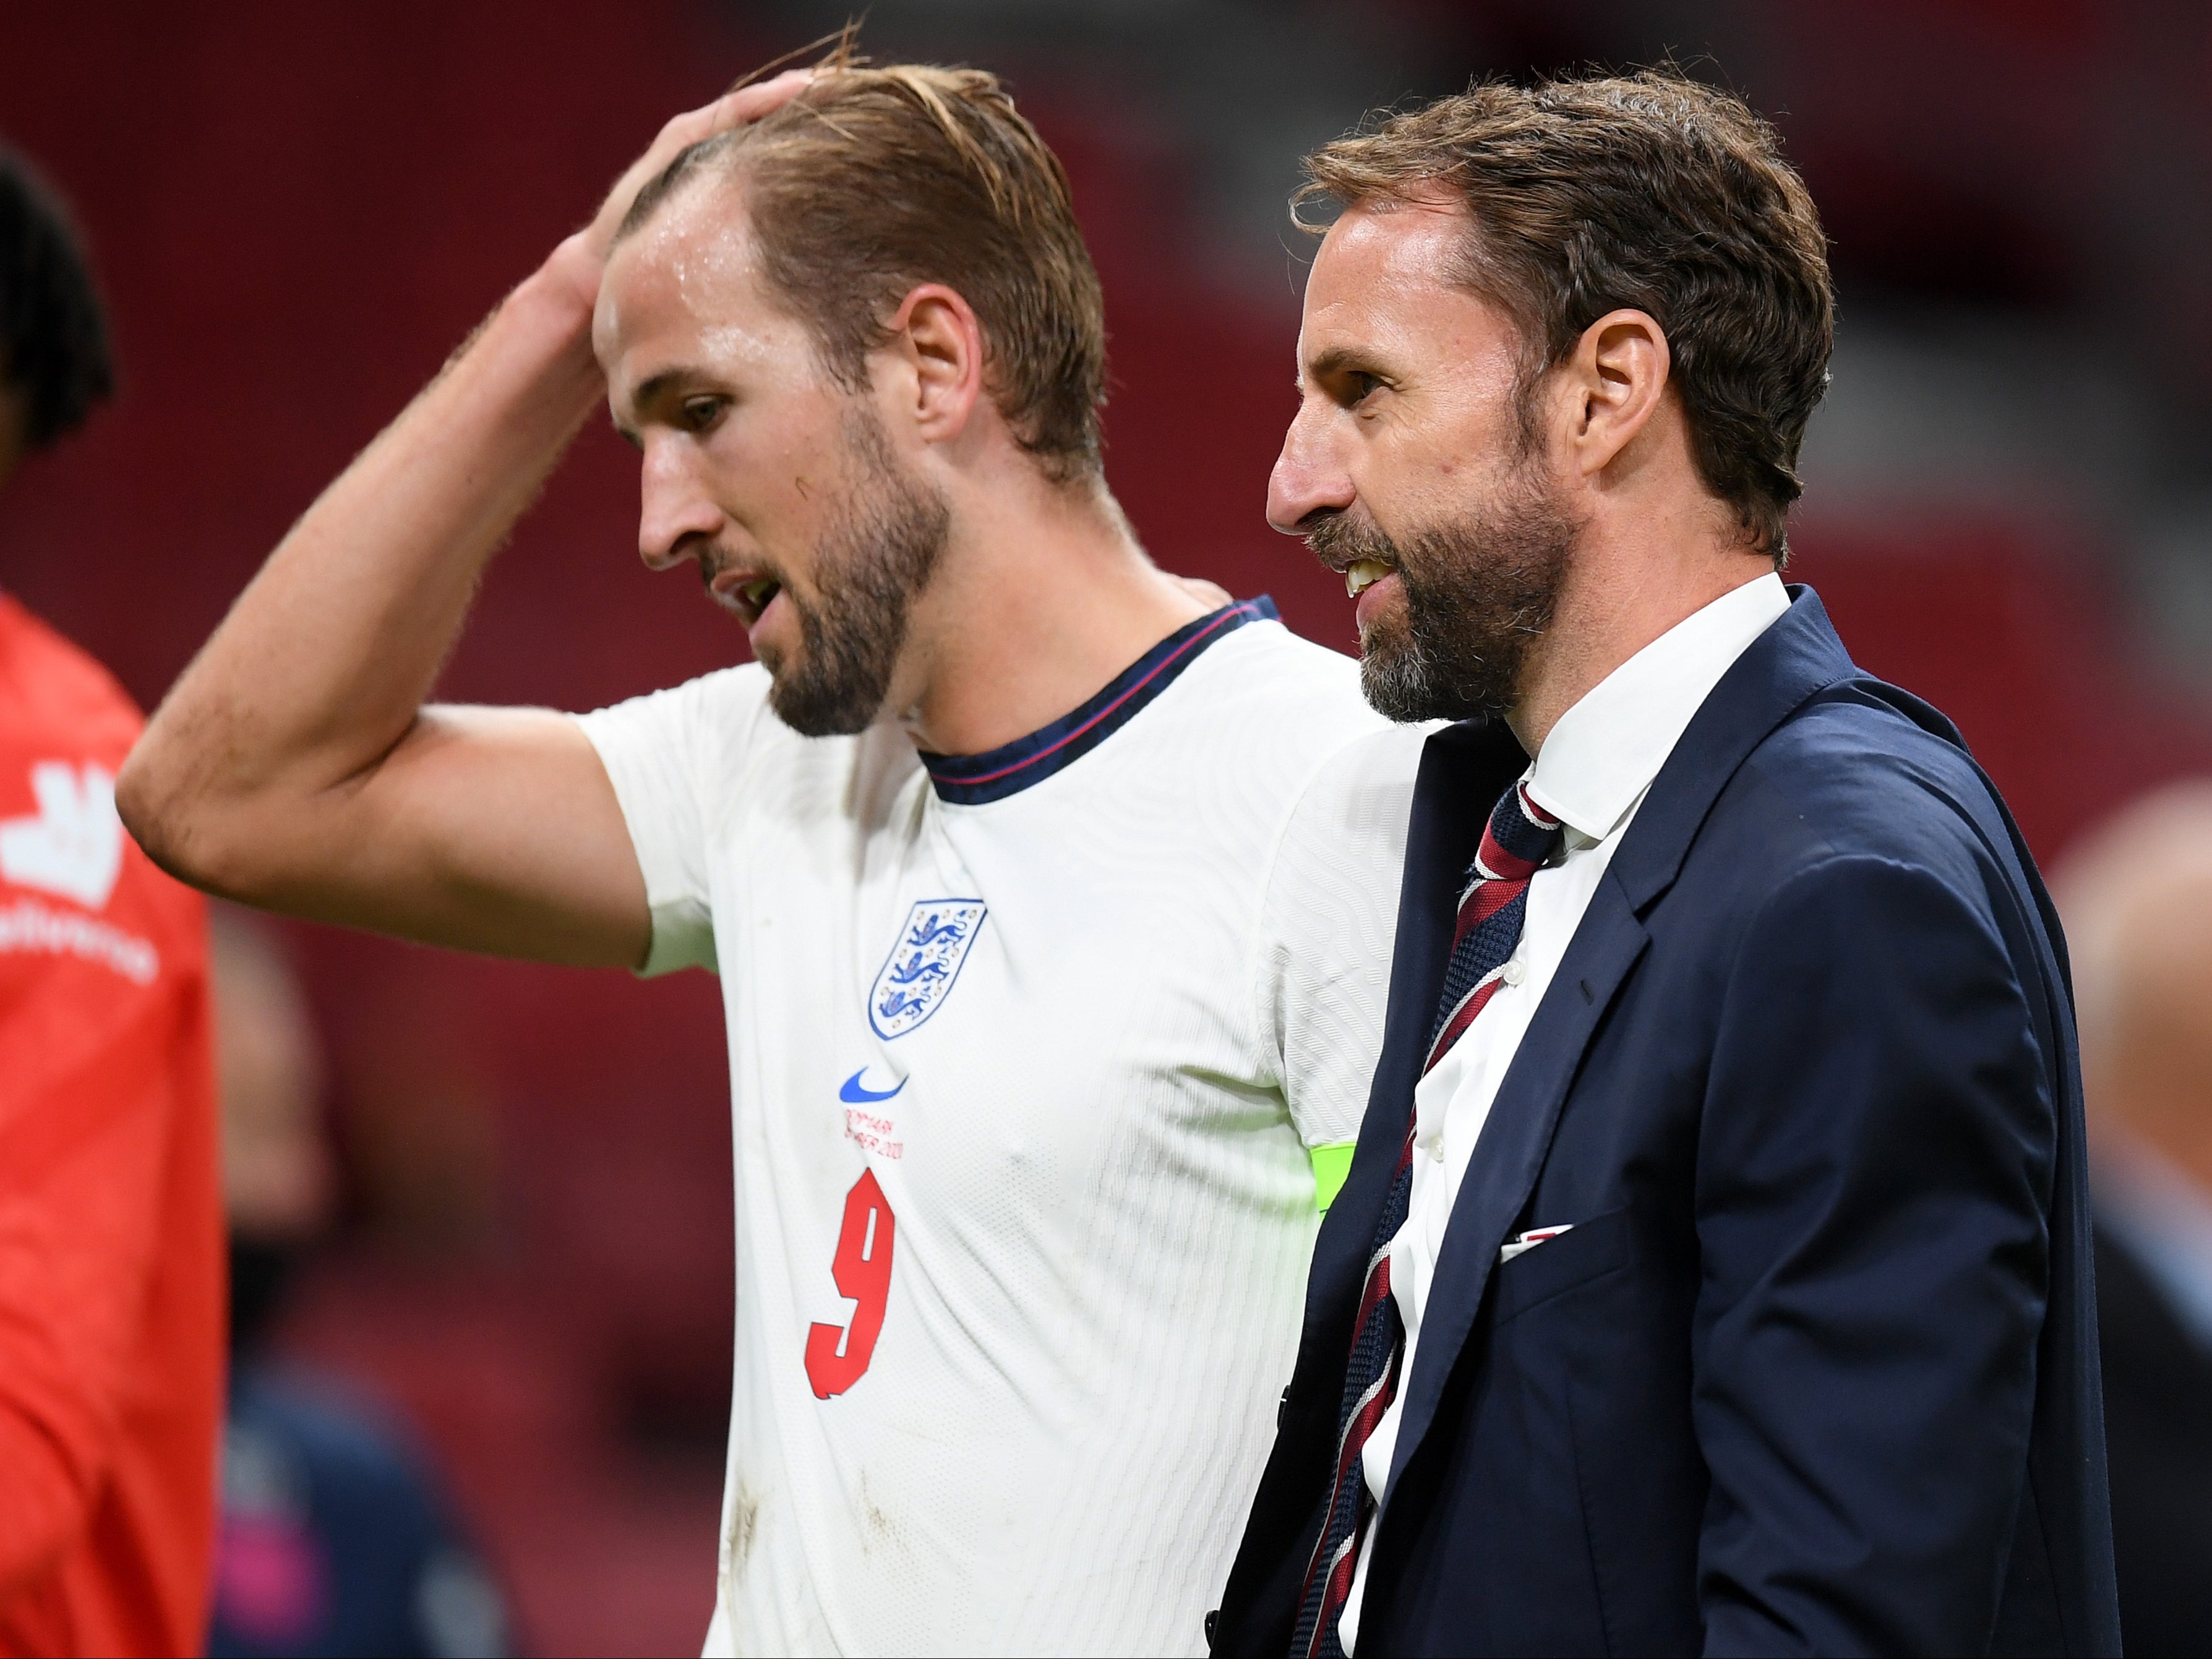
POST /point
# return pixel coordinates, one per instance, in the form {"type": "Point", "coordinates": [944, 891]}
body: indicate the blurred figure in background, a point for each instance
{"type": "Point", "coordinates": [335, 1537]}
{"type": "Point", "coordinates": [2138, 905]}
{"type": "Point", "coordinates": [111, 1256]}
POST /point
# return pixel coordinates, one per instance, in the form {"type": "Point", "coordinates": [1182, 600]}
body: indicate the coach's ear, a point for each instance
{"type": "Point", "coordinates": [1615, 380]}
{"type": "Point", "coordinates": [938, 348]}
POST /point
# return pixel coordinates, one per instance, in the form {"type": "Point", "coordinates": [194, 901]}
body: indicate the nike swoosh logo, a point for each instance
{"type": "Point", "coordinates": [855, 1093]}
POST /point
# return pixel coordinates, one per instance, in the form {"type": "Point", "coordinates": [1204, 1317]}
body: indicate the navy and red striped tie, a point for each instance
{"type": "Point", "coordinates": [1517, 843]}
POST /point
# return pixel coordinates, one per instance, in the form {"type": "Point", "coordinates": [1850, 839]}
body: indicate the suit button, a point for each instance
{"type": "Point", "coordinates": [1282, 1410]}
{"type": "Point", "coordinates": [1212, 1619]}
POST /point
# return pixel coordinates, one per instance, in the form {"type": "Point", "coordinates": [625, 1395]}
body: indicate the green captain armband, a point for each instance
{"type": "Point", "coordinates": [1331, 1164]}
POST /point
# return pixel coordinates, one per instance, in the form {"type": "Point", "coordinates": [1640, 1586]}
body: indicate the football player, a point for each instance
{"type": "Point", "coordinates": [111, 1208]}
{"type": "Point", "coordinates": [1052, 901]}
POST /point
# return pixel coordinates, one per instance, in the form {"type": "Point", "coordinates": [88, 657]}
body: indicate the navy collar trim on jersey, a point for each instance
{"type": "Point", "coordinates": [973, 780]}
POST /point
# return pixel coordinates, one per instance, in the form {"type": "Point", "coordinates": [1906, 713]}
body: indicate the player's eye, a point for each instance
{"type": "Point", "coordinates": [702, 412]}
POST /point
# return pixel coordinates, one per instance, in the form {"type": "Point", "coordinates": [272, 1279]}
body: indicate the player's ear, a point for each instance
{"type": "Point", "coordinates": [1616, 377]}
{"type": "Point", "coordinates": [936, 332]}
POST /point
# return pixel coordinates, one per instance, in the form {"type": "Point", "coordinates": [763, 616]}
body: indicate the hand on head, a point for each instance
{"type": "Point", "coordinates": [583, 257]}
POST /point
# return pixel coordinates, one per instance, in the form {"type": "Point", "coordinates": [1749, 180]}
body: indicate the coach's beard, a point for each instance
{"type": "Point", "coordinates": [1479, 594]}
{"type": "Point", "coordinates": [873, 562]}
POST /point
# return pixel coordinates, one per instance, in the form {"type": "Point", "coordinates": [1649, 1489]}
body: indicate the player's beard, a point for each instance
{"type": "Point", "coordinates": [871, 562]}
{"type": "Point", "coordinates": [1479, 591]}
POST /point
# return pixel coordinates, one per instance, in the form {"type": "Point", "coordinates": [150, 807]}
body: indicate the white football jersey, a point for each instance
{"type": "Point", "coordinates": [1034, 1056]}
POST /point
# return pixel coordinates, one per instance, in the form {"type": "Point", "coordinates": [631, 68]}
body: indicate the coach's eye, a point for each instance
{"type": "Point", "coordinates": [1359, 385]}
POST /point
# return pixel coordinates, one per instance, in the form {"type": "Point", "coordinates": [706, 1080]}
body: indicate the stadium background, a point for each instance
{"type": "Point", "coordinates": [298, 211]}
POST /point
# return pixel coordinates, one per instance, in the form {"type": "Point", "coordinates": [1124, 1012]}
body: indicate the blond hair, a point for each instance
{"type": "Point", "coordinates": [874, 180]}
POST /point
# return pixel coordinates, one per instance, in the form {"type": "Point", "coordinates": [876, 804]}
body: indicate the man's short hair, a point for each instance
{"type": "Point", "coordinates": [1651, 192]}
{"type": "Point", "coordinates": [53, 333]}
{"type": "Point", "coordinates": [874, 180]}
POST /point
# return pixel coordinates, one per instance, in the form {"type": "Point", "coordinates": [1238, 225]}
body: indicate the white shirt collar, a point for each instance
{"type": "Point", "coordinates": [1600, 758]}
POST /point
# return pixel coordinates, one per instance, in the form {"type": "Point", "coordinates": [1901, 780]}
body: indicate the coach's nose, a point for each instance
{"type": "Point", "coordinates": [675, 510]}
{"type": "Point", "coordinates": [1309, 478]}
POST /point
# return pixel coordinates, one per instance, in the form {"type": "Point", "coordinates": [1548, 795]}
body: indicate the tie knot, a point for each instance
{"type": "Point", "coordinates": [1520, 837]}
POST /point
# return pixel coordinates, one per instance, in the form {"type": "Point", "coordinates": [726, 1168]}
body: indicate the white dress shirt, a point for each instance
{"type": "Point", "coordinates": [1592, 773]}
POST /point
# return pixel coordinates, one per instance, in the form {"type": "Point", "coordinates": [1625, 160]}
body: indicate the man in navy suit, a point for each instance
{"type": "Point", "coordinates": [1713, 1273]}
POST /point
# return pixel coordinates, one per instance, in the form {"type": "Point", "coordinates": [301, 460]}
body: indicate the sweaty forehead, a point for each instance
{"type": "Point", "coordinates": [693, 262]}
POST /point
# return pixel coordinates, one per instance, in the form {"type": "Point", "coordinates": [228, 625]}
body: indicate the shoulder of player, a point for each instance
{"type": "Point", "coordinates": [736, 730]}
{"type": "Point", "coordinates": [56, 700]}
{"type": "Point", "coordinates": [1386, 758]}
{"type": "Point", "coordinates": [1301, 704]}
{"type": "Point", "coordinates": [1353, 804]}
{"type": "Point", "coordinates": [739, 691]}
{"type": "Point", "coordinates": [71, 880]}
{"type": "Point", "coordinates": [80, 901]}
{"type": "Point", "coordinates": [704, 718]}
{"type": "Point", "coordinates": [1265, 677]}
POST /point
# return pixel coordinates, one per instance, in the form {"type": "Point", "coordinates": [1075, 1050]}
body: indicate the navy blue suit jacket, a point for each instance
{"type": "Point", "coordinates": [1815, 1371]}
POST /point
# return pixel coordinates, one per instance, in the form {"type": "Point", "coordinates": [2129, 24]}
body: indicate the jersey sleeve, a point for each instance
{"type": "Point", "coordinates": [670, 755]}
{"type": "Point", "coordinates": [102, 1011]}
{"type": "Point", "coordinates": [1329, 921]}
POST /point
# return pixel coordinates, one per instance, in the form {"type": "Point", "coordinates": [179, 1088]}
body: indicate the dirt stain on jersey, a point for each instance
{"type": "Point", "coordinates": [879, 1527]}
{"type": "Point", "coordinates": [744, 1527]}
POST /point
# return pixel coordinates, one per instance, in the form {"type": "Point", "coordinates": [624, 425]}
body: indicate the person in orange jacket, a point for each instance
{"type": "Point", "coordinates": [111, 1223]}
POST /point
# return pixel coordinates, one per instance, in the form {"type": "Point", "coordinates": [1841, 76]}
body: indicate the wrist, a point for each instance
{"type": "Point", "coordinates": [568, 281]}
{"type": "Point", "coordinates": [549, 320]}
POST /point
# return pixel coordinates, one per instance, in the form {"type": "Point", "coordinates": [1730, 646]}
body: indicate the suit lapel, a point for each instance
{"type": "Point", "coordinates": [1786, 666]}
{"type": "Point", "coordinates": [1510, 1150]}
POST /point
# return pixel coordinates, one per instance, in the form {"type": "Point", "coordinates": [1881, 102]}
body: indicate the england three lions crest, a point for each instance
{"type": "Point", "coordinates": [923, 964]}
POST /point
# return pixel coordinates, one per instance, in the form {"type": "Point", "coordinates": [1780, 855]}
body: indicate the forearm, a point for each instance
{"type": "Point", "coordinates": [319, 669]}
{"type": "Point", "coordinates": [294, 766]}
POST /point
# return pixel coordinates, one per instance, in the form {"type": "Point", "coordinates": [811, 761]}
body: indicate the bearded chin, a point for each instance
{"type": "Point", "coordinates": [1403, 679]}
{"type": "Point", "coordinates": [871, 565]}
{"type": "Point", "coordinates": [1477, 594]}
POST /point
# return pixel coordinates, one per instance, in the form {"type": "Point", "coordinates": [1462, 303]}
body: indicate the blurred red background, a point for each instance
{"type": "Point", "coordinates": [297, 213]}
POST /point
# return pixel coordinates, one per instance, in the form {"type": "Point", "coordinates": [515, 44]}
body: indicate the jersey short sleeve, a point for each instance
{"type": "Point", "coordinates": [1328, 926]}
{"type": "Point", "coordinates": [671, 757]}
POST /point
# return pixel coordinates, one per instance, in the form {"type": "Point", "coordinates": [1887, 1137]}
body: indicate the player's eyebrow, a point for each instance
{"type": "Point", "coordinates": [651, 389]}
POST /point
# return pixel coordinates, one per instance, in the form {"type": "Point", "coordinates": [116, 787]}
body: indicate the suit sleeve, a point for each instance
{"type": "Point", "coordinates": [1872, 1199]}
{"type": "Point", "coordinates": [88, 1086]}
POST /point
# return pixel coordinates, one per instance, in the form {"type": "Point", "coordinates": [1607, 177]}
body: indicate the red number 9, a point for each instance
{"type": "Point", "coordinates": [837, 1355]}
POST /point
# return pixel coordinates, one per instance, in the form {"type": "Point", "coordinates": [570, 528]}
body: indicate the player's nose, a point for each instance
{"type": "Point", "coordinates": [1309, 478]}
{"type": "Point", "coordinates": [674, 507]}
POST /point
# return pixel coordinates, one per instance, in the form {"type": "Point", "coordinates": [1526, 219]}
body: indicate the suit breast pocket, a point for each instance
{"type": "Point", "coordinates": [1588, 1250]}
{"type": "Point", "coordinates": [1591, 1339]}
